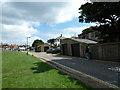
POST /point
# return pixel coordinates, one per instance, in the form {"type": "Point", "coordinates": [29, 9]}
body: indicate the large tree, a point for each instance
{"type": "Point", "coordinates": [37, 42]}
{"type": "Point", "coordinates": [107, 17]}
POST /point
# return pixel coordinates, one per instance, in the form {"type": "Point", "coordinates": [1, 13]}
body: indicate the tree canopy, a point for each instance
{"type": "Point", "coordinates": [107, 17]}
{"type": "Point", "coordinates": [37, 42]}
{"type": "Point", "coordinates": [51, 41]}
{"type": "Point", "coordinates": [87, 30]}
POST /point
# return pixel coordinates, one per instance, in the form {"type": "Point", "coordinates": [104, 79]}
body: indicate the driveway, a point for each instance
{"type": "Point", "coordinates": [106, 71]}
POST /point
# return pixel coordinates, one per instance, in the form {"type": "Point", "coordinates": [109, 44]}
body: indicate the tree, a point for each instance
{"type": "Point", "coordinates": [37, 42]}
{"type": "Point", "coordinates": [51, 41]}
{"type": "Point", "coordinates": [107, 17]}
{"type": "Point", "coordinates": [87, 30]}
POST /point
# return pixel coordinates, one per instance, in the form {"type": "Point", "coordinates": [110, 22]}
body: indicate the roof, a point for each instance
{"type": "Point", "coordinates": [13, 45]}
{"type": "Point", "coordinates": [87, 41]}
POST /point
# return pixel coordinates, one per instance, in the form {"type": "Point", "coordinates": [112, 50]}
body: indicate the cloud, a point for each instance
{"type": "Point", "coordinates": [17, 34]}
{"type": "Point", "coordinates": [74, 29]}
{"type": "Point", "coordinates": [49, 12]}
{"type": "Point", "coordinates": [18, 17]}
{"type": "Point", "coordinates": [69, 32]}
{"type": "Point", "coordinates": [66, 32]}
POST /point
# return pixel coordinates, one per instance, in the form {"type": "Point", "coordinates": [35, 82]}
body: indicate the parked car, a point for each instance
{"type": "Point", "coordinates": [49, 51]}
{"type": "Point", "coordinates": [55, 51]}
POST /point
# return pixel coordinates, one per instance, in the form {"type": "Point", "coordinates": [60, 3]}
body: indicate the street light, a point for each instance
{"type": "Point", "coordinates": [27, 44]}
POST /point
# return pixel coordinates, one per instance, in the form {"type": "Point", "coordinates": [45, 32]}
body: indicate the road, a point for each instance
{"type": "Point", "coordinates": [106, 71]}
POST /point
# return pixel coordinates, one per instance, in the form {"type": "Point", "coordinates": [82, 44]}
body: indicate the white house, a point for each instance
{"type": "Point", "coordinates": [57, 41]}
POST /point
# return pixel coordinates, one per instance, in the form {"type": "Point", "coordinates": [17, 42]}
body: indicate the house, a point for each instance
{"type": "Point", "coordinates": [22, 47]}
{"type": "Point", "coordinates": [4, 46]}
{"type": "Point", "coordinates": [13, 47]}
{"type": "Point", "coordinates": [94, 35]}
{"type": "Point", "coordinates": [57, 40]}
{"type": "Point", "coordinates": [75, 47]}
{"type": "Point", "coordinates": [43, 48]}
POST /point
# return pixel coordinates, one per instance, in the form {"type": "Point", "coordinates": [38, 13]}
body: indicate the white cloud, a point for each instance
{"type": "Point", "coordinates": [52, 12]}
{"type": "Point", "coordinates": [17, 34]}
{"type": "Point", "coordinates": [51, 35]}
{"type": "Point", "coordinates": [74, 29]}
{"type": "Point", "coordinates": [66, 32]}
{"type": "Point", "coordinates": [3, 1]}
{"type": "Point", "coordinates": [17, 17]}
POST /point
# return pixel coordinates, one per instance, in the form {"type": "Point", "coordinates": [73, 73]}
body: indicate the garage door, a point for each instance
{"type": "Point", "coordinates": [64, 49]}
{"type": "Point", "coordinates": [46, 48]}
{"type": "Point", "coordinates": [75, 49]}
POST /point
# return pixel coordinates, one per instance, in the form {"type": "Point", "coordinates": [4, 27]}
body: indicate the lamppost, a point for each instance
{"type": "Point", "coordinates": [27, 44]}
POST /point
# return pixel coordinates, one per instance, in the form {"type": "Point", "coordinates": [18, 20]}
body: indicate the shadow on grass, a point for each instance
{"type": "Point", "coordinates": [77, 82]}
{"type": "Point", "coordinates": [41, 67]}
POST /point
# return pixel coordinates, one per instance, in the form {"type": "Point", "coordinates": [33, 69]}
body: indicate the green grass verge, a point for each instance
{"type": "Point", "coordinates": [25, 71]}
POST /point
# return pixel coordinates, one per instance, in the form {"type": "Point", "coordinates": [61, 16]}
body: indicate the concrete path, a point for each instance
{"type": "Point", "coordinates": [106, 71]}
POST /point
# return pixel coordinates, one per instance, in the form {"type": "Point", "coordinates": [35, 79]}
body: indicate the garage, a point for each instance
{"type": "Point", "coordinates": [46, 48]}
{"type": "Point", "coordinates": [43, 48]}
{"type": "Point", "coordinates": [75, 49]}
{"type": "Point", "coordinates": [64, 49]}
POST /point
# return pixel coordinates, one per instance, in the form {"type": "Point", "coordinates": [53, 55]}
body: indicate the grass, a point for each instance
{"type": "Point", "coordinates": [25, 71]}
{"type": "Point", "coordinates": [58, 54]}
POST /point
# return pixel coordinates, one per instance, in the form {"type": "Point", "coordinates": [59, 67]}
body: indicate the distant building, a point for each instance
{"type": "Point", "coordinates": [91, 36]}
{"type": "Point", "coordinates": [4, 46]}
{"type": "Point", "coordinates": [13, 47]}
{"type": "Point", "coordinates": [57, 41]}
{"type": "Point", "coordinates": [22, 48]}
{"type": "Point", "coordinates": [43, 48]}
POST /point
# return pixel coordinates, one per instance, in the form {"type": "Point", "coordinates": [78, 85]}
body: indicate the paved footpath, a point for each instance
{"type": "Point", "coordinates": [106, 71]}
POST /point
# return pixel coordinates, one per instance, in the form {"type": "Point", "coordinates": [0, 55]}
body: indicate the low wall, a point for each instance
{"type": "Point", "coordinates": [108, 51]}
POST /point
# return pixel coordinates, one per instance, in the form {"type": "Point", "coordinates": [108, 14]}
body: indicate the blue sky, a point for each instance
{"type": "Point", "coordinates": [40, 20]}
{"type": "Point", "coordinates": [45, 28]}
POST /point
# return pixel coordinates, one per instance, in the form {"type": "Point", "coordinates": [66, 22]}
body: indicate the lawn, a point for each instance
{"type": "Point", "coordinates": [25, 71]}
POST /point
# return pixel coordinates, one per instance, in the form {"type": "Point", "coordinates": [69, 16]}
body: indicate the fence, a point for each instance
{"type": "Point", "coordinates": [108, 51]}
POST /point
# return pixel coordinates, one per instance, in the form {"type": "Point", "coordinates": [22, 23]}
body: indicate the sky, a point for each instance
{"type": "Point", "coordinates": [40, 20]}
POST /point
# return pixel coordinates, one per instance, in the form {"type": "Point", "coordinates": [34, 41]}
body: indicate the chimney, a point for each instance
{"type": "Point", "coordinates": [61, 35]}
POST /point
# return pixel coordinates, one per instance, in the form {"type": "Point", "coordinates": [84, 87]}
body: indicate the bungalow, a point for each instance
{"type": "Point", "coordinates": [75, 47]}
{"type": "Point", "coordinates": [13, 47]}
{"type": "Point", "coordinates": [43, 48]}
